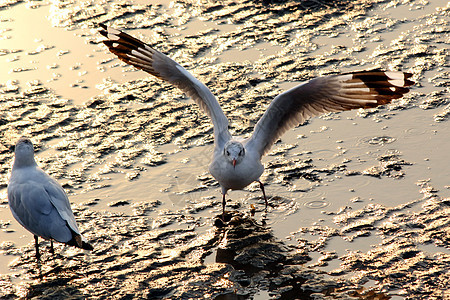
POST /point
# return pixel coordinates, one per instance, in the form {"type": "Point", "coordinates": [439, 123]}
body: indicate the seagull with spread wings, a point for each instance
{"type": "Point", "coordinates": [237, 162]}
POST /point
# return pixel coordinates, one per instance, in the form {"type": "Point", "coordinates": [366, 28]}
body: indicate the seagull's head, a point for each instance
{"type": "Point", "coordinates": [24, 152]}
{"type": "Point", "coordinates": [24, 145]}
{"type": "Point", "coordinates": [234, 151]}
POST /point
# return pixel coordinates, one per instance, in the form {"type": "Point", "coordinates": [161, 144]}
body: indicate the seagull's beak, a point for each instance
{"type": "Point", "coordinates": [234, 163]}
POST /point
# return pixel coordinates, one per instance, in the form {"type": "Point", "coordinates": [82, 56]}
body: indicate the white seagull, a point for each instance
{"type": "Point", "coordinates": [237, 162]}
{"type": "Point", "coordinates": [39, 203]}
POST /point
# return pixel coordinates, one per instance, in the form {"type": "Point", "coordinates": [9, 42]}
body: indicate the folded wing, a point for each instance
{"type": "Point", "coordinates": [32, 207]}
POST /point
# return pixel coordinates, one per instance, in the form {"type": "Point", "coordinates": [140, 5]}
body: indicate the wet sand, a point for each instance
{"type": "Point", "coordinates": [360, 198]}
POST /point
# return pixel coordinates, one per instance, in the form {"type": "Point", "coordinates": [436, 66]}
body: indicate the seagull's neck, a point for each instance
{"type": "Point", "coordinates": [22, 161]}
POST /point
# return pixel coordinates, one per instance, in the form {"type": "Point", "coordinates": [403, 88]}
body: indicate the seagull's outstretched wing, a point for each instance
{"type": "Point", "coordinates": [321, 95]}
{"type": "Point", "coordinates": [142, 56]}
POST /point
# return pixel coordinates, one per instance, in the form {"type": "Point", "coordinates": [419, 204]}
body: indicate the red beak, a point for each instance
{"type": "Point", "coordinates": [234, 163]}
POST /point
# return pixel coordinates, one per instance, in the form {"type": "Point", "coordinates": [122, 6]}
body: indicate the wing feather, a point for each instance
{"type": "Point", "coordinates": [320, 95]}
{"type": "Point", "coordinates": [32, 208]}
{"type": "Point", "coordinates": [140, 55]}
{"type": "Point", "coordinates": [58, 197]}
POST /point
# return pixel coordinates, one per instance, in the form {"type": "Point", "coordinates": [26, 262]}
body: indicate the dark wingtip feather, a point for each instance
{"type": "Point", "coordinates": [409, 82]}
{"type": "Point", "coordinates": [87, 246]}
{"type": "Point", "coordinates": [76, 242]}
{"type": "Point", "coordinates": [382, 84]}
{"type": "Point", "coordinates": [103, 31]}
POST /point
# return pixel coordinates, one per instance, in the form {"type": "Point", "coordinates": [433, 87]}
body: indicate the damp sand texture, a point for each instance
{"type": "Point", "coordinates": [361, 198]}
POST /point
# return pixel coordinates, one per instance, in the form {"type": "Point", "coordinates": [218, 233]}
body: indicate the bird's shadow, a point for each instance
{"type": "Point", "coordinates": [58, 285]}
{"type": "Point", "coordinates": [51, 274]}
{"type": "Point", "coordinates": [52, 278]}
{"type": "Point", "coordinates": [260, 261]}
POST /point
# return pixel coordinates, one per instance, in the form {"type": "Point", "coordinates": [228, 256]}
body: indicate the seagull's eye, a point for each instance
{"type": "Point", "coordinates": [228, 153]}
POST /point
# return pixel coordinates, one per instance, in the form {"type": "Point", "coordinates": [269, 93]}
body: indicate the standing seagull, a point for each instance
{"type": "Point", "coordinates": [236, 162]}
{"type": "Point", "coordinates": [39, 203]}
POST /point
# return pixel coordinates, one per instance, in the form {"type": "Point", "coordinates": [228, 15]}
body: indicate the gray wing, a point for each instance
{"type": "Point", "coordinates": [60, 201]}
{"type": "Point", "coordinates": [32, 207]}
{"type": "Point", "coordinates": [142, 56]}
{"type": "Point", "coordinates": [321, 95]}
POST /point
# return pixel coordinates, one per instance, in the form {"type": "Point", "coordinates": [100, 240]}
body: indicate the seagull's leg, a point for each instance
{"type": "Point", "coordinates": [52, 251]}
{"type": "Point", "coordinates": [261, 185]}
{"type": "Point", "coordinates": [223, 207]}
{"type": "Point", "coordinates": [36, 244]}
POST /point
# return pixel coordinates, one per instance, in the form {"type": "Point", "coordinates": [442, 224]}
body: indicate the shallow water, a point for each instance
{"type": "Point", "coordinates": [360, 198]}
